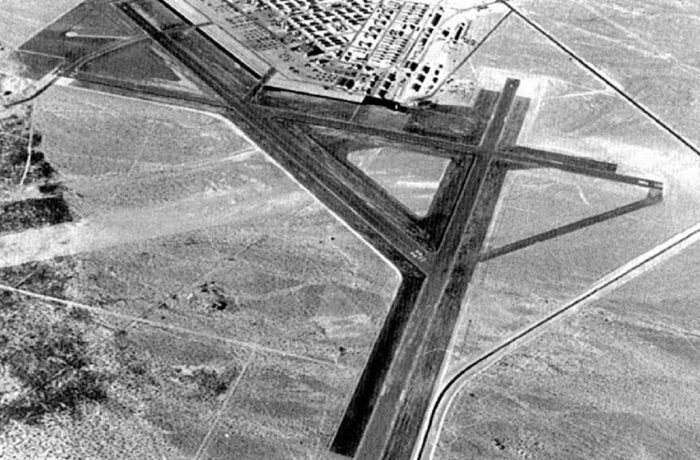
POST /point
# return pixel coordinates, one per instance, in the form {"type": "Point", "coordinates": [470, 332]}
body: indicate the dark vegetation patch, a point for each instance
{"type": "Point", "coordinates": [133, 362]}
{"type": "Point", "coordinates": [19, 144]}
{"type": "Point", "coordinates": [34, 212]}
{"type": "Point", "coordinates": [51, 189]}
{"type": "Point", "coordinates": [214, 382]}
{"type": "Point", "coordinates": [209, 296]}
{"type": "Point", "coordinates": [47, 278]}
{"type": "Point", "coordinates": [50, 359]}
{"type": "Point", "coordinates": [14, 149]}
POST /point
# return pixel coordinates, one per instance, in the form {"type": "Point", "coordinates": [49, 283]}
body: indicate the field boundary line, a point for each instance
{"type": "Point", "coordinates": [165, 326]}
{"type": "Point", "coordinates": [224, 405]}
{"type": "Point", "coordinates": [607, 81]}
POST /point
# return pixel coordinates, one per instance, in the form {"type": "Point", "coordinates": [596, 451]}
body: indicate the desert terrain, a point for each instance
{"type": "Point", "coordinates": [184, 232]}
{"type": "Point", "coordinates": [556, 415]}
{"type": "Point", "coordinates": [22, 20]}
{"type": "Point", "coordinates": [644, 48]}
{"type": "Point", "coordinates": [196, 302]}
{"type": "Point", "coordinates": [572, 114]}
{"type": "Point", "coordinates": [615, 380]}
{"type": "Point", "coordinates": [411, 178]}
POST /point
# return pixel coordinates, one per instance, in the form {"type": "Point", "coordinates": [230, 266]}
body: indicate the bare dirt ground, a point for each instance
{"type": "Point", "coordinates": [513, 290]}
{"type": "Point", "coordinates": [616, 380]}
{"type": "Point", "coordinates": [647, 48]}
{"type": "Point", "coordinates": [573, 114]}
{"type": "Point", "coordinates": [162, 390]}
{"type": "Point", "coordinates": [23, 19]}
{"type": "Point", "coordinates": [662, 82]}
{"type": "Point", "coordinates": [412, 178]}
{"type": "Point", "coordinates": [218, 267]}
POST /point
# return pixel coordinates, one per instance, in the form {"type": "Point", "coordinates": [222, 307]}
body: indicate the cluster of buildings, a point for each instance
{"type": "Point", "coordinates": [391, 50]}
{"type": "Point", "coordinates": [325, 25]}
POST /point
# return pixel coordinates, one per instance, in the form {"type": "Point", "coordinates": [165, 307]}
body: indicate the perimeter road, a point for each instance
{"type": "Point", "coordinates": [588, 66]}
{"type": "Point", "coordinates": [610, 282]}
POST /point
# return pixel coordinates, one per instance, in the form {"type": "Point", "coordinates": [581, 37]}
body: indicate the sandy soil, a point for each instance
{"type": "Point", "coordinates": [647, 48]}
{"type": "Point", "coordinates": [574, 114]}
{"type": "Point", "coordinates": [181, 223]}
{"type": "Point", "coordinates": [412, 178]}
{"type": "Point", "coordinates": [157, 405]}
{"type": "Point", "coordinates": [615, 380]}
{"type": "Point", "coordinates": [551, 400]}
{"type": "Point", "coordinates": [662, 82]}
{"type": "Point", "coordinates": [295, 424]}
{"type": "Point", "coordinates": [514, 290]}
{"type": "Point", "coordinates": [23, 19]}
{"type": "Point", "coordinates": [544, 199]}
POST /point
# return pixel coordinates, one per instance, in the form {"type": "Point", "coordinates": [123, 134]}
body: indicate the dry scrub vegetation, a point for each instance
{"type": "Point", "coordinates": [48, 359]}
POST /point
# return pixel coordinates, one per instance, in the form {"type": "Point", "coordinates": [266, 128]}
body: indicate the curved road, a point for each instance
{"type": "Point", "coordinates": [444, 398]}
{"type": "Point", "coordinates": [68, 67]}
